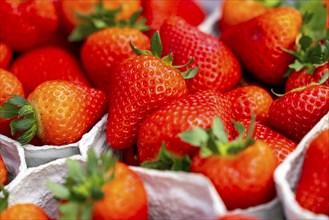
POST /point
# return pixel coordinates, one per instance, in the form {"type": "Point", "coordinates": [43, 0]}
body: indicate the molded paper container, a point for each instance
{"type": "Point", "coordinates": [13, 156]}
{"type": "Point", "coordinates": [287, 176]}
{"type": "Point", "coordinates": [170, 195]}
{"type": "Point", "coordinates": [38, 155]}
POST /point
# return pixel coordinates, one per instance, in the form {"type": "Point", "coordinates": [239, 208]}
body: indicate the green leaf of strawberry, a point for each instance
{"type": "Point", "coordinates": [4, 194]}
{"type": "Point", "coordinates": [214, 140]}
{"type": "Point", "coordinates": [102, 18]}
{"type": "Point", "coordinates": [83, 186]}
{"type": "Point", "coordinates": [156, 50]}
{"type": "Point", "coordinates": [168, 161]}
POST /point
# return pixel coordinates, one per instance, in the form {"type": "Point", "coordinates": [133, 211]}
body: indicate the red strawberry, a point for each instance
{"type": "Point", "coordinates": [108, 190]}
{"type": "Point", "coordinates": [59, 112]}
{"type": "Point", "coordinates": [68, 9]}
{"type": "Point", "coordinates": [106, 48]}
{"type": "Point", "coordinates": [235, 12]}
{"type": "Point", "coordinates": [234, 216]}
{"type": "Point", "coordinates": [164, 125]}
{"type": "Point", "coordinates": [3, 172]}
{"type": "Point", "coordinates": [138, 87]}
{"type": "Point", "coordinates": [297, 112]}
{"type": "Point", "coordinates": [241, 170]}
{"type": "Point", "coordinates": [259, 42]}
{"type": "Point", "coordinates": [248, 100]}
{"type": "Point", "coordinates": [47, 63]}
{"type": "Point", "coordinates": [108, 45]}
{"type": "Point", "coordinates": [311, 63]}
{"type": "Point", "coordinates": [301, 78]}
{"type": "Point", "coordinates": [219, 69]}
{"type": "Point", "coordinates": [280, 145]}
{"type": "Point", "coordinates": [156, 12]}
{"type": "Point", "coordinates": [27, 24]}
{"type": "Point", "coordinates": [312, 192]}
{"type": "Point", "coordinates": [9, 85]}
{"type": "Point", "coordinates": [6, 55]}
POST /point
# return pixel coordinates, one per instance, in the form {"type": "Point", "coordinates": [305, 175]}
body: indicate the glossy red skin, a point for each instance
{"type": "Point", "coordinates": [130, 157]}
{"type": "Point", "coordinates": [106, 48]}
{"type": "Point", "coordinates": [27, 24]}
{"type": "Point", "coordinates": [125, 197]}
{"type": "Point", "coordinates": [248, 100]}
{"type": "Point", "coordinates": [156, 12]}
{"type": "Point", "coordinates": [301, 78]}
{"type": "Point", "coordinates": [197, 109]}
{"type": "Point", "coordinates": [242, 180]}
{"type": "Point", "coordinates": [234, 216]}
{"type": "Point", "coordinates": [6, 55]}
{"type": "Point", "coordinates": [297, 112]}
{"type": "Point", "coordinates": [235, 12]}
{"type": "Point", "coordinates": [280, 145]}
{"type": "Point", "coordinates": [47, 63]}
{"type": "Point", "coordinates": [139, 86]}
{"type": "Point", "coordinates": [219, 69]}
{"type": "Point", "coordinates": [65, 111]}
{"type": "Point", "coordinates": [312, 192]}
{"type": "Point", "coordinates": [3, 172]}
{"type": "Point", "coordinates": [258, 43]}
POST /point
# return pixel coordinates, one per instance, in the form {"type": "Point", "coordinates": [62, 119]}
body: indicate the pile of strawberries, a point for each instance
{"type": "Point", "coordinates": [176, 98]}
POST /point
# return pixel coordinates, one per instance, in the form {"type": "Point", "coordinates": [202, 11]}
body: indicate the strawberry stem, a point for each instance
{"type": "Point", "coordinates": [26, 122]}
{"type": "Point", "coordinates": [168, 161]}
{"type": "Point", "coordinates": [102, 18]}
{"type": "Point", "coordinates": [215, 140]}
{"type": "Point", "coordinates": [83, 185]}
{"type": "Point", "coordinates": [4, 195]}
{"type": "Point", "coordinates": [156, 51]}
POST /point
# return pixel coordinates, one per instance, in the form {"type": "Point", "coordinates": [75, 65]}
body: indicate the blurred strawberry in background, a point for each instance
{"type": "Point", "coordinates": [27, 23]}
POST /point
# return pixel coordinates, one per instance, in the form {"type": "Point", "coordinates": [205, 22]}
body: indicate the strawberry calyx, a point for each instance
{"type": "Point", "coordinates": [102, 18]}
{"type": "Point", "coordinates": [156, 51]}
{"type": "Point", "coordinates": [169, 161]}
{"type": "Point", "coordinates": [83, 185]}
{"type": "Point", "coordinates": [214, 141]}
{"type": "Point", "coordinates": [321, 81]}
{"type": "Point", "coordinates": [25, 124]}
{"type": "Point", "coordinates": [4, 195]}
{"type": "Point", "coordinates": [312, 45]}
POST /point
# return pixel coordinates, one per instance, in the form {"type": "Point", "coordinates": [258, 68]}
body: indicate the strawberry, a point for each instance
{"type": "Point", "coordinates": [58, 112]}
{"type": "Point", "coordinates": [241, 170]}
{"type": "Point", "coordinates": [259, 43]}
{"type": "Point", "coordinates": [312, 192]}
{"type": "Point", "coordinates": [311, 63]}
{"type": "Point", "coordinates": [139, 86]}
{"type": "Point", "coordinates": [109, 44]}
{"type": "Point", "coordinates": [102, 50]}
{"type": "Point", "coordinates": [280, 145]}
{"type": "Point", "coordinates": [235, 12]}
{"type": "Point", "coordinates": [302, 78]}
{"type": "Point", "coordinates": [10, 85]}
{"type": "Point", "coordinates": [6, 55]}
{"type": "Point", "coordinates": [219, 69]}
{"type": "Point", "coordinates": [27, 24]}
{"type": "Point", "coordinates": [164, 125]}
{"type": "Point", "coordinates": [156, 12]}
{"type": "Point", "coordinates": [68, 10]}
{"type": "Point", "coordinates": [234, 216]}
{"type": "Point", "coordinates": [19, 211]}
{"type": "Point", "coordinates": [3, 172]}
{"type": "Point", "coordinates": [297, 112]}
{"type": "Point", "coordinates": [103, 189]}
{"type": "Point", "coordinates": [130, 157]}
{"type": "Point", "coordinates": [248, 100]}
{"type": "Point", "coordinates": [48, 63]}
